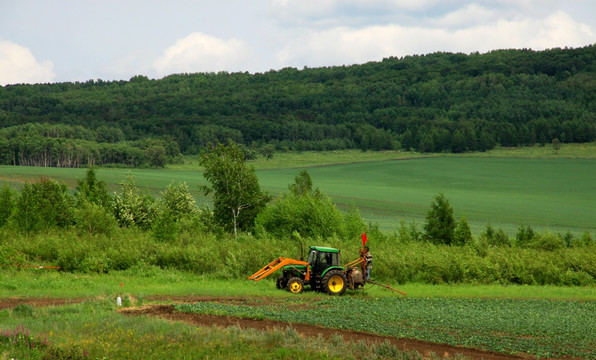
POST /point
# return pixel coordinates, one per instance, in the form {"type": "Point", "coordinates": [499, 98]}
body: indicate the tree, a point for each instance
{"type": "Point", "coordinates": [267, 151]}
{"type": "Point", "coordinates": [237, 196]}
{"type": "Point", "coordinates": [303, 185]}
{"type": "Point", "coordinates": [156, 156]}
{"type": "Point", "coordinates": [92, 190]}
{"type": "Point", "coordinates": [440, 223]}
{"type": "Point", "coordinates": [556, 145]}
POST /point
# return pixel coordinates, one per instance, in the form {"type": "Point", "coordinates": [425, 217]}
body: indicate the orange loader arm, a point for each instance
{"type": "Point", "coordinates": [276, 265]}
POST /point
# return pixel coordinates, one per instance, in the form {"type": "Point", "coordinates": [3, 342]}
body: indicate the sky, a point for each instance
{"type": "Point", "coordinates": [45, 41]}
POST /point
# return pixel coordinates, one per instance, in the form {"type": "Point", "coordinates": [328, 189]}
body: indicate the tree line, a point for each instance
{"type": "Point", "coordinates": [441, 102]}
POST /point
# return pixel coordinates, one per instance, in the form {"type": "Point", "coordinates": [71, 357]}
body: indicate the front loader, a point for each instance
{"type": "Point", "coordinates": [321, 271]}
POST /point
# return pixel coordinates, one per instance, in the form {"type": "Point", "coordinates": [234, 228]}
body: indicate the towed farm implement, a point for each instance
{"type": "Point", "coordinates": [321, 271]}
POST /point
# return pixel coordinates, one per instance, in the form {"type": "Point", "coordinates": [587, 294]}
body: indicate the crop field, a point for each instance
{"type": "Point", "coordinates": [177, 315]}
{"type": "Point", "coordinates": [536, 327]}
{"type": "Point", "coordinates": [506, 191]}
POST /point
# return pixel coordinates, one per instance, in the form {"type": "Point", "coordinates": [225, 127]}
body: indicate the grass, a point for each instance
{"type": "Point", "coordinates": [507, 187]}
{"type": "Point", "coordinates": [39, 283]}
{"type": "Point", "coordinates": [93, 328]}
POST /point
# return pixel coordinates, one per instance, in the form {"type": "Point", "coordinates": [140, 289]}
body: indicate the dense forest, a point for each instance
{"type": "Point", "coordinates": [441, 102]}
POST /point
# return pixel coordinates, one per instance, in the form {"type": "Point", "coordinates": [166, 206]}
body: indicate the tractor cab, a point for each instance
{"type": "Point", "coordinates": [322, 258]}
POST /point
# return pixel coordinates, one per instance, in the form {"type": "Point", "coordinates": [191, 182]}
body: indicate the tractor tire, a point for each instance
{"type": "Point", "coordinates": [295, 285]}
{"type": "Point", "coordinates": [335, 282]}
{"type": "Point", "coordinates": [281, 282]}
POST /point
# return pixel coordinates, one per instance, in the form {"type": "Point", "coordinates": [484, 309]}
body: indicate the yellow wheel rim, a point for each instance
{"type": "Point", "coordinates": [295, 287]}
{"type": "Point", "coordinates": [336, 283]}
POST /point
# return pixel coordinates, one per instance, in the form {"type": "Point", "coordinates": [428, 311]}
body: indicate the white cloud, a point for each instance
{"type": "Point", "coordinates": [344, 45]}
{"type": "Point", "coordinates": [198, 52]}
{"type": "Point", "coordinates": [470, 15]}
{"type": "Point", "coordinates": [18, 65]}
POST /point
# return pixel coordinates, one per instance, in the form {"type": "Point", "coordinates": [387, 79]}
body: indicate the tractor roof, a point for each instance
{"type": "Point", "coordinates": [324, 249]}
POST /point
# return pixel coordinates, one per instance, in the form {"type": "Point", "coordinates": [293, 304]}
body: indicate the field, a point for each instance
{"type": "Point", "coordinates": [505, 188]}
{"type": "Point", "coordinates": [168, 313]}
{"type": "Point", "coordinates": [178, 315]}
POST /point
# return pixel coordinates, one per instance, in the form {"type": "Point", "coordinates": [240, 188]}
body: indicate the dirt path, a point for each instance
{"type": "Point", "coordinates": [167, 311]}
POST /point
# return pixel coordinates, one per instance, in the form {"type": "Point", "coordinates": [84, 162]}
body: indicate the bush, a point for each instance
{"type": "Point", "coordinates": [43, 205]}
{"type": "Point", "coordinates": [547, 241]}
{"type": "Point", "coordinates": [94, 219]}
{"type": "Point", "coordinates": [310, 216]}
{"type": "Point", "coordinates": [132, 207]}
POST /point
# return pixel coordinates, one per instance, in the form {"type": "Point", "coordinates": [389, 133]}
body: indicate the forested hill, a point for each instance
{"type": "Point", "coordinates": [432, 103]}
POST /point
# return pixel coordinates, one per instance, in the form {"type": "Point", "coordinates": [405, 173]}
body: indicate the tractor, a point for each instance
{"type": "Point", "coordinates": [321, 270]}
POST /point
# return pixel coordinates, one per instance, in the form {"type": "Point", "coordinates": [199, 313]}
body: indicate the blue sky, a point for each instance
{"type": "Point", "coordinates": [77, 40]}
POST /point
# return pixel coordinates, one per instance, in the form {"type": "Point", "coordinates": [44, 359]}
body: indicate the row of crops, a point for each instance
{"type": "Point", "coordinates": [542, 328]}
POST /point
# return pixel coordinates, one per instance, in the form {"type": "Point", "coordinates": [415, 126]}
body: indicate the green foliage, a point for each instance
{"type": "Point", "coordinates": [94, 219]}
{"type": "Point", "coordinates": [438, 102]}
{"type": "Point", "coordinates": [310, 216]}
{"type": "Point", "coordinates": [92, 190]}
{"type": "Point", "coordinates": [440, 224]}
{"type": "Point", "coordinates": [7, 204]}
{"type": "Point", "coordinates": [547, 241]}
{"type": "Point", "coordinates": [43, 205]}
{"type": "Point", "coordinates": [237, 195]}
{"type": "Point", "coordinates": [462, 234]}
{"type": "Point", "coordinates": [165, 227]}
{"type": "Point", "coordinates": [178, 201]}
{"type": "Point", "coordinates": [494, 237]}
{"type": "Point", "coordinates": [303, 185]}
{"type": "Point", "coordinates": [308, 213]}
{"type": "Point", "coordinates": [524, 235]}
{"type": "Point", "coordinates": [156, 156]}
{"type": "Point", "coordinates": [132, 207]}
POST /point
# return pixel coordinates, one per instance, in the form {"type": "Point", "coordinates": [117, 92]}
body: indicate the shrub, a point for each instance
{"type": "Point", "coordinates": [132, 207]}
{"type": "Point", "coordinates": [94, 219]}
{"type": "Point", "coordinates": [310, 216]}
{"type": "Point", "coordinates": [178, 201]}
{"type": "Point", "coordinates": [547, 241]}
{"type": "Point", "coordinates": [43, 205]}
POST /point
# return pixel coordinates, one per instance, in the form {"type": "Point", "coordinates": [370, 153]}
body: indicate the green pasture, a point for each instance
{"type": "Point", "coordinates": [506, 188]}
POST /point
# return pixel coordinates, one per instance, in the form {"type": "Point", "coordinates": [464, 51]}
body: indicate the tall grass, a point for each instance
{"type": "Point", "coordinates": [225, 258]}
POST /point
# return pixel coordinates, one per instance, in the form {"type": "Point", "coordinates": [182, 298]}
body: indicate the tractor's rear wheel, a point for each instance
{"type": "Point", "coordinates": [335, 282]}
{"type": "Point", "coordinates": [295, 285]}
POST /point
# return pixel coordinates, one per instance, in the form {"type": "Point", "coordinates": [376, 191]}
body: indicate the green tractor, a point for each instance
{"type": "Point", "coordinates": [321, 270]}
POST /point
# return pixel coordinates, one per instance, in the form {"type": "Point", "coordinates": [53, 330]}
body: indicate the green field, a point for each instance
{"type": "Point", "coordinates": [506, 188]}
{"type": "Point", "coordinates": [542, 321]}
